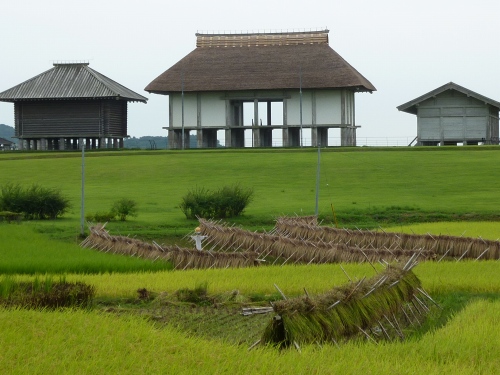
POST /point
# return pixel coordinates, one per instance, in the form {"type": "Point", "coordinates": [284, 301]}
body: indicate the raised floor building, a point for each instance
{"type": "Point", "coordinates": [261, 82]}
{"type": "Point", "coordinates": [69, 106]}
{"type": "Point", "coordinates": [452, 115]}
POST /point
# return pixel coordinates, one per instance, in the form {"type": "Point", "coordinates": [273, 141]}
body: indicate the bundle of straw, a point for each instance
{"type": "Point", "coordinates": [450, 247]}
{"type": "Point", "coordinates": [291, 249]}
{"type": "Point", "coordinates": [181, 258]}
{"type": "Point", "coordinates": [378, 308]}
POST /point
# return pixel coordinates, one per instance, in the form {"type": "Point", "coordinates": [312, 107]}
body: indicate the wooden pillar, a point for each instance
{"type": "Point", "coordinates": [255, 131]}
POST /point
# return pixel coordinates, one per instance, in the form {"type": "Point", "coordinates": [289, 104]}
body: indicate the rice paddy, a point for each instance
{"type": "Point", "coordinates": [140, 323]}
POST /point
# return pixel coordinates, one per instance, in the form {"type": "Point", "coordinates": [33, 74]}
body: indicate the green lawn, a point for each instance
{"type": "Point", "coordinates": [366, 187]}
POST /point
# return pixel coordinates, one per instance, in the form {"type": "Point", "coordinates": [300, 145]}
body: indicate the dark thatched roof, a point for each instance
{"type": "Point", "coordinates": [70, 81]}
{"type": "Point", "coordinates": [412, 105]}
{"type": "Point", "coordinates": [232, 62]}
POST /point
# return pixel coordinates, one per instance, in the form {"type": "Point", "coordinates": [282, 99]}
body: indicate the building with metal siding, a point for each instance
{"type": "Point", "coordinates": [5, 144]}
{"type": "Point", "coordinates": [452, 114]}
{"type": "Point", "coordinates": [69, 106]}
{"type": "Point", "coordinates": [227, 74]}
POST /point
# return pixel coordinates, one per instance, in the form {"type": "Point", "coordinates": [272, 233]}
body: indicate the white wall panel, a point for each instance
{"type": "Point", "coordinates": [213, 110]}
{"type": "Point", "coordinates": [328, 107]}
{"type": "Point", "coordinates": [293, 108]}
{"type": "Point", "coordinates": [190, 110]}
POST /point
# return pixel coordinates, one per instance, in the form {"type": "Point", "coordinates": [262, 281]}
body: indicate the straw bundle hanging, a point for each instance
{"type": "Point", "coordinates": [181, 258]}
{"type": "Point", "coordinates": [378, 308]}
{"type": "Point", "coordinates": [450, 247]}
{"type": "Point", "coordinates": [295, 250]}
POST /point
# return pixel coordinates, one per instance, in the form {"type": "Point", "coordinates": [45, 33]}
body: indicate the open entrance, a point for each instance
{"type": "Point", "coordinates": [334, 137]}
{"type": "Point", "coordinates": [258, 117]}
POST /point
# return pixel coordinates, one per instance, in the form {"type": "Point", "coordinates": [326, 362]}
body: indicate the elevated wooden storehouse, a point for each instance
{"type": "Point", "coordinates": [452, 114]}
{"type": "Point", "coordinates": [294, 74]}
{"type": "Point", "coordinates": [5, 144]}
{"type": "Point", "coordinates": [69, 106]}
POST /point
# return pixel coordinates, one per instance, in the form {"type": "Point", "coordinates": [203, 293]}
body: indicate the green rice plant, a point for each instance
{"type": "Point", "coordinates": [92, 342]}
{"type": "Point", "coordinates": [197, 295]}
{"type": "Point", "coordinates": [25, 251]}
{"type": "Point", "coordinates": [472, 229]}
{"type": "Point", "coordinates": [8, 285]}
{"type": "Point", "coordinates": [45, 293]}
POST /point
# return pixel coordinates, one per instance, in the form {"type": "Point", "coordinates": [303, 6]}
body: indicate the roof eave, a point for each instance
{"type": "Point", "coordinates": [411, 106]}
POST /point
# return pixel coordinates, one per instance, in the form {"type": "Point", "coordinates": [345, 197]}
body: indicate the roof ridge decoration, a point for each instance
{"type": "Point", "coordinates": [262, 39]}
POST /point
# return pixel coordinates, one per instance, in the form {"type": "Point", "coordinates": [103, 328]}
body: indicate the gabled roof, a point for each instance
{"type": "Point", "coordinates": [4, 141]}
{"type": "Point", "coordinates": [70, 81]}
{"type": "Point", "coordinates": [261, 61]}
{"type": "Point", "coordinates": [411, 106]}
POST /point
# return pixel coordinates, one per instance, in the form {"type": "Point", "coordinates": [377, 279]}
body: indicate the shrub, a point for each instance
{"type": "Point", "coordinates": [34, 202]}
{"type": "Point", "coordinates": [100, 217]}
{"type": "Point", "coordinates": [123, 208]}
{"type": "Point", "coordinates": [228, 201]}
{"type": "Point", "coordinates": [10, 216]}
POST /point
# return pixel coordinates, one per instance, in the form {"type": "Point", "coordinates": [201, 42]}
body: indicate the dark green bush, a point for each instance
{"type": "Point", "coordinates": [9, 216]}
{"type": "Point", "coordinates": [225, 202]}
{"type": "Point", "coordinates": [100, 217]}
{"type": "Point", "coordinates": [123, 208]}
{"type": "Point", "coordinates": [34, 202]}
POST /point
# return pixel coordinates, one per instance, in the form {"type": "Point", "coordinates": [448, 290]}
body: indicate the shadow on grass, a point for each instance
{"type": "Point", "coordinates": [451, 304]}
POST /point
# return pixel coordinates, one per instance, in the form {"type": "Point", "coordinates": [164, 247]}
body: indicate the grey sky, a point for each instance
{"type": "Point", "coordinates": [405, 49]}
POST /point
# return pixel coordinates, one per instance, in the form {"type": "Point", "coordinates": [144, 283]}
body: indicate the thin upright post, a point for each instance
{"type": "Point", "coordinates": [182, 99]}
{"type": "Point", "coordinates": [82, 214]}
{"type": "Point", "coordinates": [300, 92]}
{"type": "Point", "coordinates": [317, 180]}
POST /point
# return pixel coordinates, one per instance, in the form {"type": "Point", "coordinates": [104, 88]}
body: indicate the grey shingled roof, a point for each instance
{"type": "Point", "coordinates": [231, 62]}
{"type": "Point", "coordinates": [70, 81]}
{"type": "Point", "coordinates": [411, 106]}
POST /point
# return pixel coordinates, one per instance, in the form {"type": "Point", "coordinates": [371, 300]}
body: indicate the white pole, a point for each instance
{"type": "Point", "coordinates": [82, 217]}
{"type": "Point", "coordinates": [182, 97]}
{"type": "Point", "coordinates": [317, 181]}
{"type": "Point", "coordinates": [300, 91]}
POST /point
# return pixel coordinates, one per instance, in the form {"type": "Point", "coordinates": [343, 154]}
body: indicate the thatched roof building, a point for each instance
{"type": "Point", "coordinates": [267, 61]}
{"type": "Point", "coordinates": [263, 67]}
{"type": "Point", "coordinates": [69, 105]}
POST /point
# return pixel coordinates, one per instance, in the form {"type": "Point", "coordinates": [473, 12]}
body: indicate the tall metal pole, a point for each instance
{"type": "Point", "coordinates": [82, 214]}
{"type": "Point", "coordinates": [317, 180]}
{"type": "Point", "coordinates": [300, 91]}
{"type": "Point", "coordinates": [182, 98]}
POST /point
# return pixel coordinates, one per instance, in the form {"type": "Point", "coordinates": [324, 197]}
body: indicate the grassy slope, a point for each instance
{"type": "Point", "coordinates": [355, 181]}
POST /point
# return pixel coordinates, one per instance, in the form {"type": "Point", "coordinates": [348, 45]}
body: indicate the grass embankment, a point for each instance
{"type": "Point", "coordinates": [366, 187]}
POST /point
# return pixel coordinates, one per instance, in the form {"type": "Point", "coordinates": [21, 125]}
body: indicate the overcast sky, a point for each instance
{"type": "Point", "coordinates": [405, 49]}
